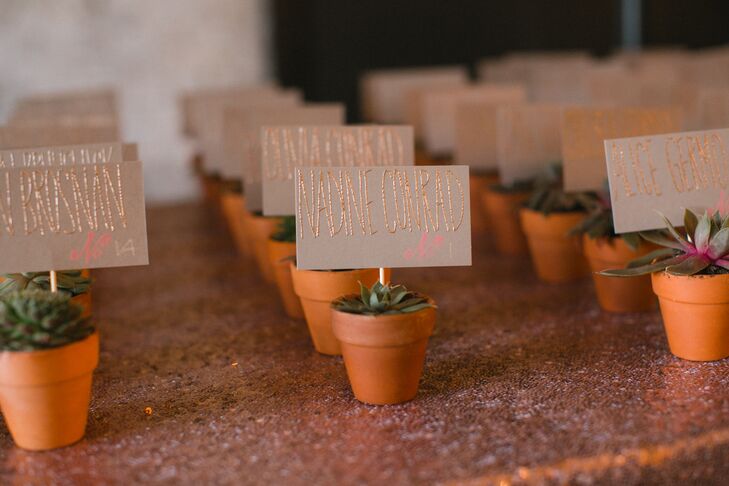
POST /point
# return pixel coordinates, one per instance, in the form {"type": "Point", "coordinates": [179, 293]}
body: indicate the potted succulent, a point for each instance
{"type": "Point", "coordinates": [72, 283]}
{"type": "Point", "coordinates": [260, 228]}
{"type": "Point", "coordinates": [48, 353]}
{"type": "Point", "coordinates": [605, 249]}
{"type": "Point", "coordinates": [281, 248]}
{"type": "Point", "coordinates": [690, 276]}
{"type": "Point", "coordinates": [232, 204]}
{"type": "Point", "coordinates": [502, 203]}
{"type": "Point", "coordinates": [317, 289]}
{"type": "Point", "coordinates": [547, 219]}
{"type": "Point", "coordinates": [383, 331]}
{"type": "Point", "coordinates": [478, 182]}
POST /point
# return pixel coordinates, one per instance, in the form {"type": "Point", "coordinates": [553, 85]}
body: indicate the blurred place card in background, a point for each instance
{"type": "Point", "coordinates": [72, 216]}
{"type": "Point", "coordinates": [350, 217]}
{"type": "Point", "coordinates": [584, 131]}
{"type": "Point", "coordinates": [529, 139]}
{"type": "Point", "coordinates": [285, 147]}
{"type": "Point", "coordinates": [667, 173]}
{"type": "Point", "coordinates": [52, 134]}
{"type": "Point", "coordinates": [100, 153]}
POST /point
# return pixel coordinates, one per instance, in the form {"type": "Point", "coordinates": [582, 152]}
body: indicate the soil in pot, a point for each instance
{"type": "Point", "coordinates": [45, 395]}
{"type": "Point", "coordinates": [317, 289]}
{"type": "Point", "coordinates": [478, 183]}
{"type": "Point", "coordinates": [384, 354]}
{"type": "Point", "coordinates": [502, 210]}
{"type": "Point", "coordinates": [556, 255]}
{"type": "Point", "coordinates": [278, 254]}
{"type": "Point", "coordinates": [615, 294]}
{"type": "Point", "coordinates": [695, 312]}
{"type": "Point", "coordinates": [233, 205]}
{"type": "Point", "coordinates": [260, 229]}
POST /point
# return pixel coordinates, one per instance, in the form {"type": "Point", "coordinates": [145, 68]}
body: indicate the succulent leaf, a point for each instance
{"type": "Point", "coordinates": [689, 266]}
{"type": "Point", "coordinates": [286, 230]}
{"type": "Point", "coordinates": [70, 282]}
{"type": "Point", "coordinates": [382, 299]}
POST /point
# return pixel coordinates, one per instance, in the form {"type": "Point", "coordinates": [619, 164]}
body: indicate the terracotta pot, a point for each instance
{"type": "Point", "coordinates": [502, 211]}
{"type": "Point", "coordinates": [211, 189]}
{"type": "Point", "coordinates": [618, 294]}
{"type": "Point", "coordinates": [557, 257]}
{"type": "Point", "coordinates": [84, 300]}
{"type": "Point", "coordinates": [233, 206]}
{"type": "Point", "coordinates": [478, 184]}
{"type": "Point", "coordinates": [278, 251]}
{"type": "Point", "coordinates": [317, 289]}
{"type": "Point", "coordinates": [44, 395]}
{"type": "Point", "coordinates": [695, 314]}
{"type": "Point", "coordinates": [260, 229]}
{"type": "Point", "coordinates": [384, 354]}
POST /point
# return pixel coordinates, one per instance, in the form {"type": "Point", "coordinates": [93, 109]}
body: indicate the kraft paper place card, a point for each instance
{"type": "Point", "coordinates": [253, 120]}
{"type": "Point", "coordinates": [51, 134]}
{"type": "Point", "coordinates": [439, 111]}
{"type": "Point", "coordinates": [384, 92]}
{"type": "Point", "coordinates": [666, 173]}
{"type": "Point", "coordinates": [584, 131]}
{"type": "Point", "coordinates": [67, 217]}
{"type": "Point", "coordinates": [102, 153]}
{"type": "Point", "coordinates": [528, 140]}
{"type": "Point", "coordinates": [405, 216]}
{"type": "Point", "coordinates": [285, 147]}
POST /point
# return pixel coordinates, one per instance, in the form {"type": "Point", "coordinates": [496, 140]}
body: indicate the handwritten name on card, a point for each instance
{"type": "Point", "coordinates": [398, 216]}
{"type": "Point", "coordinates": [584, 131]}
{"type": "Point", "coordinates": [100, 153]}
{"type": "Point", "coordinates": [285, 147]}
{"type": "Point", "coordinates": [72, 216]}
{"type": "Point", "coordinates": [666, 173]}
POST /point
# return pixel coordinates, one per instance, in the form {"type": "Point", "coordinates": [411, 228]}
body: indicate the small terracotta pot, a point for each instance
{"type": "Point", "coordinates": [557, 257]}
{"type": "Point", "coordinates": [317, 289]}
{"type": "Point", "coordinates": [278, 253]}
{"type": "Point", "coordinates": [618, 294]}
{"type": "Point", "coordinates": [44, 395]}
{"type": "Point", "coordinates": [233, 206]}
{"type": "Point", "coordinates": [384, 354]}
{"type": "Point", "coordinates": [84, 300]}
{"type": "Point", "coordinates": [502, 211]}
{"type": "Point", "coordinates": [260, 229]}
{"type": "Point", "coordinates": [478, 184]}
{"type": "Point", "coordinates": [695, 314]}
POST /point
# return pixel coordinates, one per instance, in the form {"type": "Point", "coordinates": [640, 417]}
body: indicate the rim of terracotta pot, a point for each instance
{"type": "Point", "coordinates": [552, 224]}
{"type": "Point", "coordinates": [326, 278]}
{"type": "Point", "coordinates": [612, 249]}
{"type": "Point", "coordinates": [692, 289]}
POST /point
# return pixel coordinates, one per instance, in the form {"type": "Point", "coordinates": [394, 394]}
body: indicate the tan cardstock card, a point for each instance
{"type": "Point", "coordinates": [100, 153]}
{"type": "Point", "coordinates": [72, 216]}
{"type": "Point", "coordinates": [584, 131]}
{"type": "Point", "coordinates": [253, 120]}
{"type": "Point", "coordinates": [528, 138]}
{"type": "Point", "coordinates": [50, 134]}
{"type": "Point", "coordinates": [666, 173]}
{"type": "Point", "coordinates": [439, 111]}
{"type": "Point", "coordinates": [285, 147]}
{"type": "Point", "coordinates": [353, 217]}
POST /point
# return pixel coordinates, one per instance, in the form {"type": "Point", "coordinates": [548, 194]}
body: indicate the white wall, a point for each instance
{"type": "Point", "coordinates": [150, 50]}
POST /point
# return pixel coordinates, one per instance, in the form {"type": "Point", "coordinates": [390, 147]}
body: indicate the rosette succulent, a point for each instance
{"type": "Point", "coordinates": [548, 195]}
{"type": "Point", "coordinates": [34, 319]}
{"type": "Point", "coordinates": [598, 223]}
{"type": "Point", "coordinates": [382, 299]}
{"type": "Point", "coordinates": [702, 249]}
{"type": "Point", "coordinates": [70, 283]}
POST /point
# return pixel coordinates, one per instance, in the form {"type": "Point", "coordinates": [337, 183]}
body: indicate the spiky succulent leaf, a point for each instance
{"type": "Point", "coordinates": [33, 319]}
{"type": "Point", "coordinates": [382, 299]}
{"type": "Point", "coordinates": [70, 282]}
{"type": "Point", "coordinates": [549, 197]}
{"type": "Point", "coordinates": [286, 230]}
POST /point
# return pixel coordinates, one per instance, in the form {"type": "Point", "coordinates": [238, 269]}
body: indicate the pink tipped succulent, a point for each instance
{"type": "Point", "coordinates": [703, 249]}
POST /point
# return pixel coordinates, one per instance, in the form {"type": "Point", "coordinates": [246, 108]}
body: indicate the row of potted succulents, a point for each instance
{"type": "Point", "coordinates": [380, 330]}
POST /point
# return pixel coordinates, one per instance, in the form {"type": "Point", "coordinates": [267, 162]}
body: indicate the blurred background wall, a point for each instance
{"type": "Point", "coordinates": [150, 50]}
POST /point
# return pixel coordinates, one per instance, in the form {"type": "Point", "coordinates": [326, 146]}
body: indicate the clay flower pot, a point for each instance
{"type": "Point", "coordinates": [502, 210]}
{"type": "Point", "coordinates": [44, 395]}
{"type": "Point", "coordinates": [557, 256]}
{"type": "Point", "coordinates": [278, 253]}
{"type": "Point", "coordinates": [384, 354]}
{"type": "Point", "coordinates": [84, 300]}
{"type": "Point", "coordinates": [260, 229]}
{"type": "Point", "coordinates": [478, 184]}
{"type": "Point", "coordinates": [233, 206]}
{"type": "Point", "coordinates": [695, 312]}
{"type": "Point", "coordinates": [618, 294]}
{"type": "Point", "coordinates": [317, 289]}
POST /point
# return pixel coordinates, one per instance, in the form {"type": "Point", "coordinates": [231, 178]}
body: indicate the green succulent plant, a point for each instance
{"type": "Point", "coordinates": [35, 319]}
{"type": "Point", "coordinates": [382, 299]}
{"type": "Point", "coordinates": [598, 223]}
{"type": "Point", "coordinates": [703, 249]}
{"type": "Point", "coordinates": [286, 231]}
{"type": "Point", "coordinates": [70, 282]}
{"type": "Point", "coordinates": [548, 195]}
